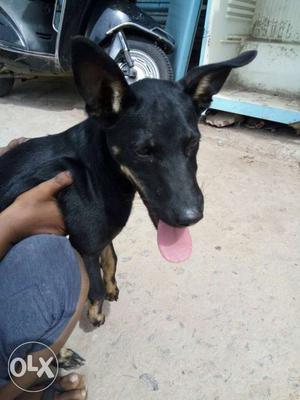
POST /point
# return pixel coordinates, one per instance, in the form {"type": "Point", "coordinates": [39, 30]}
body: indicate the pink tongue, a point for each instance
{"type": "Point", "coordinates": [175, 244]}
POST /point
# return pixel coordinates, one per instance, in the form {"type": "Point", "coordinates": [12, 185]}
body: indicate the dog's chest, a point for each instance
{"type": "Point", "coordinates": [118, 204]}
{"type": "Point", "coordinates": [98, 217]}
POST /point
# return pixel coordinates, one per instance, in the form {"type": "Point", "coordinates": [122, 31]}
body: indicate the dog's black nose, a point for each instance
{"type": "Point", "coordinates": [189, 216]}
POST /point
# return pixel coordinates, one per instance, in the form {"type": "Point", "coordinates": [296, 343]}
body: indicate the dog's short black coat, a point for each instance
{"type": "Point", "coordinates": [144, 137]}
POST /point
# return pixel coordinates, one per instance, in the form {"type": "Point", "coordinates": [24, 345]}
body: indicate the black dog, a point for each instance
{"type": "Point", "coordinates": [140, 138]}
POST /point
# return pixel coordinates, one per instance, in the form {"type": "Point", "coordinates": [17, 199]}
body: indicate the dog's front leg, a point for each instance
{"type": "Point", "coordinates": [97, 290]}
{"type": "Point", "coordinates": [109, 266]}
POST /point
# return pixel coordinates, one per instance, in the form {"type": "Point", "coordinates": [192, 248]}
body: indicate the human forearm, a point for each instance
{"type": "Point", "coordinates": [33, 212]}
{"type": "Point", "coordinates": [6, 233]}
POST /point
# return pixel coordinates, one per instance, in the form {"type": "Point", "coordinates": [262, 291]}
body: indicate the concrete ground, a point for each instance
{"type": "Point", "coordinates": [224, 325]}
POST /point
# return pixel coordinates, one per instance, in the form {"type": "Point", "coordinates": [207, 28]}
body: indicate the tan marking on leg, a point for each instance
{"type": "Point", "coordinates": [95, 315]}
{"type": "Point", "coordinates": [109, 264]}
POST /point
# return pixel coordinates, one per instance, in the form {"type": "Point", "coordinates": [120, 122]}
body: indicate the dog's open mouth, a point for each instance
{"type": "Point", "coordinates": [175, 244]}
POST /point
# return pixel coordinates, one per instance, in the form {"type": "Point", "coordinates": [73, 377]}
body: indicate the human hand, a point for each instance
{"type": "Point", "coordinates": [36, 211]}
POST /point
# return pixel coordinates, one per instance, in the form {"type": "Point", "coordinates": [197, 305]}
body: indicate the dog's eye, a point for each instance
{"type": "Point", "coordinates": [192, 146]}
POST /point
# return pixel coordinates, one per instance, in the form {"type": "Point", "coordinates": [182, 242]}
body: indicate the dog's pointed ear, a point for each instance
{"type": "Point", "coordinates": [202, 83]}
{"type": "Point", "coordinates": [99, 80]}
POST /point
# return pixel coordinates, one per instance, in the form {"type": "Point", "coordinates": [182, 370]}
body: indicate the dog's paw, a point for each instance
{"type": "Point", "coordinates": [95, 314]}
{"type": "Point", "coordinates": [112, 292]}
{"type": "Point", "coordinates": [69, 359]}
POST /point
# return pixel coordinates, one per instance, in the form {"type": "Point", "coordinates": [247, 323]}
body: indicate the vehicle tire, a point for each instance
{"type": "Point", "coordinates": [7, 81]}
{"type": "Point", "coordinates": [150, 61]}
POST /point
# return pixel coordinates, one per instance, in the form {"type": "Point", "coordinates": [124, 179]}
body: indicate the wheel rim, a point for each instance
{"type": "Point", "coordinates": [144, 66]}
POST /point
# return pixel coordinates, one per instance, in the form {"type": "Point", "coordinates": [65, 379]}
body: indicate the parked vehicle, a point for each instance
{"type": "Point", "coordinates": [35, 37]}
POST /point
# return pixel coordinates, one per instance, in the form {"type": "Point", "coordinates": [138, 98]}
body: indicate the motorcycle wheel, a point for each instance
{"type": "Point", "coordinates": [150, 61]}
{"type": "Point", "coordinates": [7, 81]}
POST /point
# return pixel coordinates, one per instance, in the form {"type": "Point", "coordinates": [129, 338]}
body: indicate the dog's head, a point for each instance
{"type": "Point", "coordinates": [152, 127]}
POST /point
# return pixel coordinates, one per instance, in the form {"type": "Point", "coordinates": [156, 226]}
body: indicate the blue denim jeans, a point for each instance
{"type": "Point", "coordinates": [40, 284]}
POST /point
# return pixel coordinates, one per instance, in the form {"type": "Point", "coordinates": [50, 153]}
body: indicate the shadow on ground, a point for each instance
{"type": "Point", "coordinates": [54, 94]}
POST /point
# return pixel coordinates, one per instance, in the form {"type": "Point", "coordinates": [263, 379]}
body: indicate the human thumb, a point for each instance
{"type": "Point", "coordinates": [54, 185]}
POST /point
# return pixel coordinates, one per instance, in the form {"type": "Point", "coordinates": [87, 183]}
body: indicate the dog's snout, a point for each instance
{"type": "Point", "coordinates": [189, 216]}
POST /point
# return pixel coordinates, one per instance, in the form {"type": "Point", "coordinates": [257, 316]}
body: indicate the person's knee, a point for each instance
{"type": "Point", "coordinates": [50, 262]}
{"type": "Point", "coordinates": [50, 255]}
{"type": "Point", "coordinates": [42, 249]}
{"type": "Point", "coordinates": [50, 252]}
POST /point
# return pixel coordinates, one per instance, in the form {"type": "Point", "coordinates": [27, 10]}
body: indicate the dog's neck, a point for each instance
{"type": "Point", "coordinates": [91, 139]}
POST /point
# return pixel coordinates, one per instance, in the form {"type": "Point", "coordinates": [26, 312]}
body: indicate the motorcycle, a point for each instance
{"type": "Point", "coordinates": [35, 38]}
